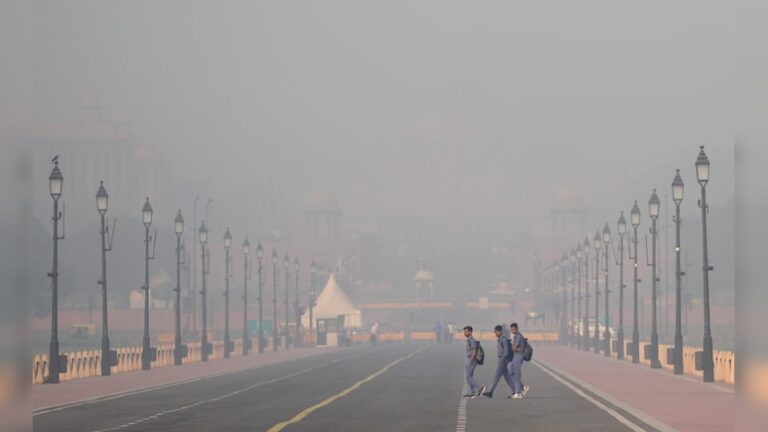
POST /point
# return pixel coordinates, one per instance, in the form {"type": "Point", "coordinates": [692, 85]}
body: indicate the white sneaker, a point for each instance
{"type": "Point", "coordinates": [517, 396]}
{"type": "Point", "coordinates": [525, 390]}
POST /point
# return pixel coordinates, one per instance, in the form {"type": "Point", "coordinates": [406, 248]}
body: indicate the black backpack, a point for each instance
{"type": "Point", "coordinates": [527, 350]}
{"type": "Point", "coordinates": [480, 358]}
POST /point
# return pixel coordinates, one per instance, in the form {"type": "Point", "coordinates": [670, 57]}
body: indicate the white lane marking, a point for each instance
{"type": "Point", "coordinates": [552, 371]}
{"type": "Point", "coordinates": [227, 395]}
{"type": "Point", "coordinates": [461, 418]}
{"type": "Point", "coordinates": [117, 395]}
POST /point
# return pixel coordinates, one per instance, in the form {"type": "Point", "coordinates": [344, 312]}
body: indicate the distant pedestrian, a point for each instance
{"type": "Point", "coordinates": [516, 365]}
{"type": "Point", "coordinates": [503, 354]}
{"type": "Point", "coordinates": [375, 333]}
{"type": "Point", "coordinates": [469, 368]}
{"type": "Point", "coordinates": [451, 329]}
{"type": "Point", "coordinates": [438, 332]}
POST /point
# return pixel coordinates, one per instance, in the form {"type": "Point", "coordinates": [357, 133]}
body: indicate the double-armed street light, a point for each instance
{"type": "Point", "coordinates": [597, 243]}
{"type": "Point", "coordinates": [204, 264]}
{"type": "Point", "coordinates": [274, 299]}
{"type": "Point", "coordinates": [259, 258]}
{"type": "Point", "coordinates": [654, 205]}
{"type": "Point", "coordinates": [607, 333]}
{"type": "Point", "coordinates": [146, 216]}
{"type": "Point", "coordinates": [634, 219]}
{"type": "Point", "coordinates": [296, 306]}
{"type": "Point", "coordinates": [702, 175]}
{"type": "Point", "coordinates": [622, 230]}
{"type": "Point", "coordinates": [55, 186]}
{"type": "Point", "coordinates": [286, 266]}
{"type": "Point", "coordinates": [102, 201]}
{"type": "Point", "coordinates": [178, 350]}
{"type": "Point", "coordinates": [246, 278]}
{"type": "Point", "coordinates": [677, 196]}
{"type": "Point", "coordinates": [227, 276]}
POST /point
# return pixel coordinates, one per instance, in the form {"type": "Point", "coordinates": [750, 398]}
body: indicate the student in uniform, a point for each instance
{"type": "Point", "coordinates": [516, 365]}
{"type": "Point", "coordinates": [471, 363]}
{"type": "Point", "coordinates": [503, 351]}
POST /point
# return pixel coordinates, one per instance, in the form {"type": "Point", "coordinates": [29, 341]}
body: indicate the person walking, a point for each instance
{"type": "Point", "coordinates": [503, 354]}
{"type": "Point", "coordinates": [469, 368]}
{"type": "Point", "coordinates": [516, 365]}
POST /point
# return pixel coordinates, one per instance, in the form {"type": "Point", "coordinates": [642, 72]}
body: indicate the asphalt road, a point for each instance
{"type": "Point", "coordinates": [387, 388]}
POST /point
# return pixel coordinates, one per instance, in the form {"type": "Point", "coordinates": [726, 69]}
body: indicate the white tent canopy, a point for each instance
{"type": "Point", "coordinates": [332, 302]}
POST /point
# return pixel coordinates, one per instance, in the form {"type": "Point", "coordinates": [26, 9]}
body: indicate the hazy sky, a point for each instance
{"type": "Point", "coordinates": [469, 108]}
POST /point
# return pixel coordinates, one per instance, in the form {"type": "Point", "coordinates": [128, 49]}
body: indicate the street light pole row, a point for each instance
{"type": "Point", "coordinates": [599, 241]}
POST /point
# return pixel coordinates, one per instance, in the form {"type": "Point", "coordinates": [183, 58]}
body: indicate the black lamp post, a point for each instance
{"type": "Point", "coordinates": [55, 183]}
{"type": "Point", "coordinates": [297, 308]}
{"type": "Point", "coordinates": [179, 229]}
{"type": "Point", "coordinates": [259, 258]}
{"type": "Point", "coordinates": [634, 219]}
{"type": "Point", "coordinates": [654, 205]}
{"type": "Point", "coordinates": [677, 196]}
{"type": "Point", "coordinates": [227, 276]}
{"type": "Point", "coordinates": [622, 230]}
{"type": "Point", "coordinates": [607, 333]}
{"type": "Point", "coordinates": [287, 266]}
{"type": "Point", "coordinates": [597, 243]}
{"type": "Point", "coordinates": [585, 330]}
{"type": "Point", "coordinates": [102, 200]}
{"type": "Point", "coordinates": [562, 275]}
{"type": "Point", "coordinates": [702, 175]}
{"type": "Point", "coordinates": [572, 281]}
{"type": "Point", "coordinates": [204, 258]}
{"type": "Point", "coordinates": [146, 353]}
{"type": "Point", "coordinates": [312, 293]}
{"type": "Point", "coordinates": [577, 318]}
{"type": "Point", "coordinates": [274, 299]}
{"type": "Point", "coordinates": [246, 278]}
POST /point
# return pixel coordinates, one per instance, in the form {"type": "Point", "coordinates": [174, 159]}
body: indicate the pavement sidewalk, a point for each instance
{"type": "Point", "coordinates": [680, 402]}
{"type": "Point", "coordinates": [47, 396]}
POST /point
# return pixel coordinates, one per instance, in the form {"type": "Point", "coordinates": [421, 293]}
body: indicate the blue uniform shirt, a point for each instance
{"type": "Point", "coordinates": [502, 347]}
{"type": "Point", "coordinates": [518, 343]}
{"type": "Point", "coordinates": [471, 345]}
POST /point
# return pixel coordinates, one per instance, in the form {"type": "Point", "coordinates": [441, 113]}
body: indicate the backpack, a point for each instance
{"type": "Point", "coordinates": [480, 358]}
{"type": "Point", "coordinates": [511, 353]}
{"type": "Point", "coordinates": [527, 350]}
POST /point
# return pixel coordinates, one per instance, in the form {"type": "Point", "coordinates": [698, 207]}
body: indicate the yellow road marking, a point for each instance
{"type": "Point", "coordinates": [300, 416]}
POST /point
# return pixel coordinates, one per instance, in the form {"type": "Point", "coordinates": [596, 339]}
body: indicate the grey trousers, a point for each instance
{"type": "Point", "coordinates": [469, 376]}
{"type": "Point", "coordinates": [502, 371]}
{"type": "Point", "coordinates": [515, 369]}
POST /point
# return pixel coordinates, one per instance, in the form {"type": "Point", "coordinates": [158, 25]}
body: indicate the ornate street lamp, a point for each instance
{"type": "Point", "coordinates": [274, 299]}
{"type": "Point", "coordinates": [246, 278]}
{"type": "Point", "coordinates": [178, 350]}
{"type": "Point", "coordinates": [286, 266]}
{"type": "Point", "coordinates": [597, 243]}
{"type": "Point", "coordinates": [259, 258]}
{"type": "Point", "coordinates": [227, 275]}
{"type": "Point", "coordinates": [102, 202]}
{"type": "Point", "coordinates": [202, 235]}
{"type": "Point", "coordinates": [55, 185]}
{"type": "Point", "coordinates": [622, 230]}
{"type": "Point", "coordinates": [607, 333]}
{"type": "Point", "coordinates": [634, 219]}
{"type": "Point", "coordinates": [585, 330]}
{"type": "Point", "coordinates": [146, 216]}
{"type": "Point", "coordinates": [702, 175]}
{"type": "Point", "coordinates": [654, 205]}
{"type": "Point", "coordinates": [297, 308]}
{"type": "Point", "coordinates": [678, 188]}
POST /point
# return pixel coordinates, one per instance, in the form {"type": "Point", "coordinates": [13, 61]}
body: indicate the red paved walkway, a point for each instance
{"type": "Point", "coordinates": [68, 392]}
{"type": "Point", "coordinates": [682, 403]}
